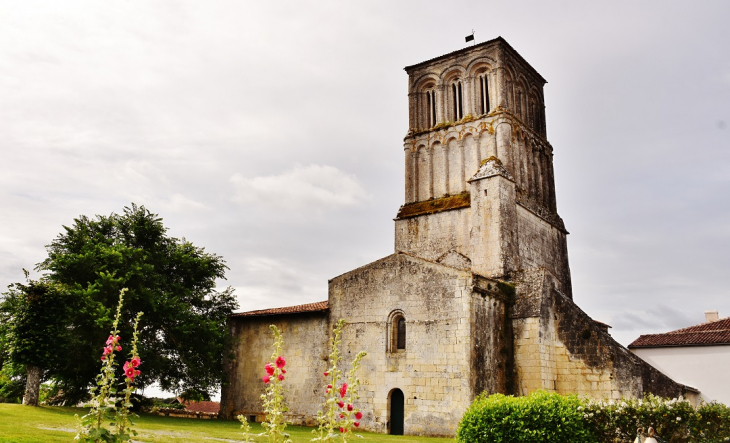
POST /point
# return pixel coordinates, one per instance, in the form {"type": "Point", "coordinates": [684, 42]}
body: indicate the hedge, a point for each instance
{"type": "Point", "coordinates": [549, 417]}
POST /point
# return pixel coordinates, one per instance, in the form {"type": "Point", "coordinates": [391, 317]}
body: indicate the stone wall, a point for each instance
{"type": "Point", "coordinates": [543, 245]}
{"type": "Point", "coordinates": [434, 235]}
{"type": "Point", "coordinates": [559, 348]}
{"type": "Point", "coordinates": [434, 370]}
{"type": "Point", "coordinates": [492, 359]}
{"type": "Point", "coordinates": [305, 337]}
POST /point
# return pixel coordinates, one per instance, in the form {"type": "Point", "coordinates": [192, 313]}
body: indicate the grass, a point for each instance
{"type": "Point", "coordinates": [26, 424]}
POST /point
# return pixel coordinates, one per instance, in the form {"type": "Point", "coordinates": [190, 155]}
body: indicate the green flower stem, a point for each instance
{"type": "Point", "coordinates": [273, 398]}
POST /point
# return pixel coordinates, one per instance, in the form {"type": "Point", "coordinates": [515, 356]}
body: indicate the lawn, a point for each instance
{"type": "Point", "coordinates": [25, 424]}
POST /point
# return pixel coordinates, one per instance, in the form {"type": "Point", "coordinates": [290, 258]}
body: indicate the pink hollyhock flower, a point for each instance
{"type": "Point", "coordinates": [110, 340]}
{"type": "Point", "coordinates": [280, 362]}
{"type": "Point", "coordinates": [281, 377]}
{"type": "Point", "coordinates": [266, 379]}
{"type": "Point", "coordinates": [358, 415]}
{"type": "Point", "coordinates": [137, 372]}
{"type": "Point", "coordinates": [126, 366]}
{"type": "Point", "coordinates": [349, 407]}
{"type": "Point", "coordinates": [341, 404]}
{"type": "Point", "coordinates": [343, 390]}
{"type": "Point", "coordinates": [357, 424]}
{"type": "Point", "coordinates": [119, 348]}
{"type": "Point", "coordinates": [342, 429]}
{"type": "Point", "coordinates": [107, 350]}
{"type": "Point", "coordinates": [135, 362]}
{"type": "Point", "coordinates": [269, 369]}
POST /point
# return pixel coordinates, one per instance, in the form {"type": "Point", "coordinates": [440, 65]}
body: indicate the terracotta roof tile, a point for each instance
{"type": "Point", "coordinates": [298, 309]}
{"type": "Point", "coordinates": [211, 407]}
{"type": "Point", "coordinates": [710, 333]}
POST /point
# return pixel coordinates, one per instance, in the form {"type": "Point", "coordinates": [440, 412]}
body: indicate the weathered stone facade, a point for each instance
{"type": "Point", "coordinates": [480, 271]}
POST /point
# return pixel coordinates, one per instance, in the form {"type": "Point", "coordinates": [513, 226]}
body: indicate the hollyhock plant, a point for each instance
{"type": "Point", "coordinates": [104, 396]}
{"type": "Point", "coordinates": [338, 407]}
{"type": "Point", "coordinates": [273, 397]}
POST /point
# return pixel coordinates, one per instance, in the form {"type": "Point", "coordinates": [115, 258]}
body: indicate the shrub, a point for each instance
{"type": "Point", "coordinates": [547, 417]}
{"type": "Point", "coordinates": [540, 417]}
{"type": "Point", "coordinates": [675, 421]}
{"type": "Point", "coordinates": [11, 388]}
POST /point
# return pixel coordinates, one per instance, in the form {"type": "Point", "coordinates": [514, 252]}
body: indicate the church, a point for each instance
{"type": "Point", "coordinates": [476, 296]}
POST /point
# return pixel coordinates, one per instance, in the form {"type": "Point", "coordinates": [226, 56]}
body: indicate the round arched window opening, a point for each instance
{"type": "Point", "coordinates": [396, 332]}
{"type": "Point", "coordinates": [400, 342]}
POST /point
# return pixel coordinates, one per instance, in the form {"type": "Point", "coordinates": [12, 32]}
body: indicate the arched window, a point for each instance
{"type": "Point", "coordinates": [431, 107]}
{"type": "Point", "coordinates": [401, 334]}
{"type": "Point", "coordinates": [396, 331]}
{"type": "Point", "coordinates": [456, 95]}
{"type": "Point", "coordinates": [483, 93]}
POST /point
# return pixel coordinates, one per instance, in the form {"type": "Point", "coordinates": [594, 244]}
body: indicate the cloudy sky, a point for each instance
{"type": "Point", "coordinates": [271, 133]}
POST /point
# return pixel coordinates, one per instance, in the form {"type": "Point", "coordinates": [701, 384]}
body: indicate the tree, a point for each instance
{"type": "Point", "coordinates": [33, 332]}
{"type": "Point", "coordinates": [182, 332]}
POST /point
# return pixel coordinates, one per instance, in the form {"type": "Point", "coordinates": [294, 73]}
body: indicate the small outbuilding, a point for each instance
{"type": "Point", "coordinates": [698, 355]}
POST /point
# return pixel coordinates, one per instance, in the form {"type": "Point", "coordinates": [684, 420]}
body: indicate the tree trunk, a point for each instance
{"type": "Point", "coordinates": [32, 386]}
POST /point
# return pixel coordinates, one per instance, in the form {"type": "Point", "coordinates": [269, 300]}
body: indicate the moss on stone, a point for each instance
{"type": "Point", "coordinates": [458, 201]}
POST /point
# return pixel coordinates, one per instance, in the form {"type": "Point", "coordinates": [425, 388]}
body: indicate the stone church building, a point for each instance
{"type": "Point", "coordinates": [477, 294]}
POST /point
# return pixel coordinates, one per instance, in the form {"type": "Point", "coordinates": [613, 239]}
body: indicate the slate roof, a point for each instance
{"type": "Point", "coordinates": [705, 334]}
{"type": "Point", "coordinates": [298, 309]}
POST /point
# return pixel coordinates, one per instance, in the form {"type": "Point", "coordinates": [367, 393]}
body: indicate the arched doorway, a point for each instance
{"type": "Point", "coordinates": [397, 412]}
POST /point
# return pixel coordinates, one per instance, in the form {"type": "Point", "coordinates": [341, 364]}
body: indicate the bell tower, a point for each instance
{"type": "Point", "coordinates": [479, 181]}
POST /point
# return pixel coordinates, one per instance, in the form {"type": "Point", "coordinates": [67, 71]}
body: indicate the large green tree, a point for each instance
{"type": "Point", "coordinates": [182, 332]}
{"type": "Point", "coordinates": [34, 332]}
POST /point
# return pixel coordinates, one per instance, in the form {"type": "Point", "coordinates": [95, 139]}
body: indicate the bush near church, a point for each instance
{"type": "Point", "coordinates": [549, 417]}
{"type": "Point", "coordinates": [541, 416]}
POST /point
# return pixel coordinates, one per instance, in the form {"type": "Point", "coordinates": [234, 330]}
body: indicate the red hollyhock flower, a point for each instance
{"type": "Point", "coordinates": [341, 404]}
{"type": "Point", "coordinates": [280, 362]}
{"type": "Point", "coordinates": [129, 372]}
{"type": "Point", "coordinates": [135, 362]}
{"type": "Point", "coordinates": [283, 371]}
{"type": "Point", "coordinates": [358, 415]}
{"type": "Point", "coordinates": [266, 379]}
{"type": "Point", "coordinates": [119, 348]}
{"type": "Point", "coordinates": [357, 424]}
{"type": "Point", "coordinates": [103, 358]}
{"type": "Point", "coordinates": [343, 390]}
{"type": "Point", "coordinates": [342, 415]}
{"type": "Point", "coordinates": [281, 377]}
{"type": "Point", "coordinates": [342, 429]}
{"type": "Point", "coordinates": [326, 373]}
{"type": "Point", "coordinates": [349, 407]}
{"type": "Point", "coordinates": [108, 350]}
{"type": "Point", "coordinates": [269, 369]}
{"type": "Point", "coordinates": [329, 386]}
